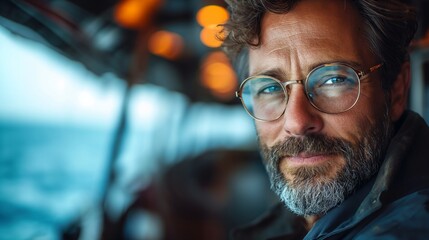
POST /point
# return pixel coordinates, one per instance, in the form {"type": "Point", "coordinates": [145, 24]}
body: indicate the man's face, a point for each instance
{"type": "Point", "coordinates": [314, 159]}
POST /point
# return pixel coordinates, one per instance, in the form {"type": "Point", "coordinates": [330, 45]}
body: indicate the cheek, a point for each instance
{"type": "Point", "coordinates": [351, 126]}
{"type": "Point", "coordinates": [268, 132]}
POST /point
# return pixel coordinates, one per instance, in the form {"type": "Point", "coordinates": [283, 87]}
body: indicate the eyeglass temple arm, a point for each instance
{"type": "Point", "coordinates": [370, 70]}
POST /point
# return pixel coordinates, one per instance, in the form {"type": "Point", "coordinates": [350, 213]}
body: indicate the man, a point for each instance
{"type": "Point", "coordinates": [327, 85]}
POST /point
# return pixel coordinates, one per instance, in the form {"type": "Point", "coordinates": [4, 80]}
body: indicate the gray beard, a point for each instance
{"type": "Point", "coordinates": [310, 193]}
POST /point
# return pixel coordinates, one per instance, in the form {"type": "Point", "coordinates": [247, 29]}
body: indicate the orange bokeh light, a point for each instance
{"type": "Point", "coordinates": [209, 36]}
{"type": "Point", "coordinates": [212, 15]}
{"type": "Point", "coordinates": [166, 44]}
{"type": "Point", "coordinates": [135, 13]}
{"type": "Point", "coordinates": [210, 18]}
{"type": "Point", "coordinates": [218, 76]}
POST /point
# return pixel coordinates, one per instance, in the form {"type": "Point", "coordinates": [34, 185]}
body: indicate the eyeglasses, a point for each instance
{"type": "Point", "coordinates": [330, 88]}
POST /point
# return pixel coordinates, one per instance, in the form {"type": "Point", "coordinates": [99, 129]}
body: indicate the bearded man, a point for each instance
{"type": "Point", "coordinates": [327, 84]}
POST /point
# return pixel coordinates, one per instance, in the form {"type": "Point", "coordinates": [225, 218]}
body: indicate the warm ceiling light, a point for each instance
{"type": "Point", "coordinates": [135, 13]}
{"type": "Point", "coordinates": [209, 36]}
{"type": "Point", "coordinates": [212, 14]}
{"type": "Point", "coordinates": [166, 44]}
{"type": "Point", "coordinates": [216, 56]}
{"type": "Point", "coordinates": [218, 76]}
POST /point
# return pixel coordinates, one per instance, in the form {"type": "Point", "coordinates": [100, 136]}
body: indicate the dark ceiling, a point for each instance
{"type": "Point", "coordinates": [86, 31]}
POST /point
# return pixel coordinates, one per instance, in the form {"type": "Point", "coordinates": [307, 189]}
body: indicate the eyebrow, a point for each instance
{"type": "Point", "coordinates": [277, 73]}
{"type": "Point", "coordinates": [280, 74]}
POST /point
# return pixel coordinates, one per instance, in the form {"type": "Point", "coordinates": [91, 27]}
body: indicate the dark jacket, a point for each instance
{"type": "Point", "coordinates": [393, 205]}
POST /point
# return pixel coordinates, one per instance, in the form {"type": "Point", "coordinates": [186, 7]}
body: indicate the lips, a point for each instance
{"type": "Point", "coordinates": [307, 159]}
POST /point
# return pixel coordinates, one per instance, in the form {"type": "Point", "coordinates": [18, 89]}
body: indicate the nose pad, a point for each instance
{"type": "Point", "coordinates": [288, 86]}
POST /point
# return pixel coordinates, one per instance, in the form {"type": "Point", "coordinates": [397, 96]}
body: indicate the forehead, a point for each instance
{"type": "Point", "coordinates": [312, 33]}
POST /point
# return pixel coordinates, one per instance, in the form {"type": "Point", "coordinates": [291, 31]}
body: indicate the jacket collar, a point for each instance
{"type": "Point", "coordinates": [407, 152]}
{"type": "Point", "coordinates": [387, 184]}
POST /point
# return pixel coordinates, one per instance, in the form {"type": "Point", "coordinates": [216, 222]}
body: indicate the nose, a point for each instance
{"type": "Point", "coordinates": [300, 117]}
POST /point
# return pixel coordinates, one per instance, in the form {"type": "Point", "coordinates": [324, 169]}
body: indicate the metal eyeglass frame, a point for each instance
{"type": "Point", "coordinates": [360, 75]}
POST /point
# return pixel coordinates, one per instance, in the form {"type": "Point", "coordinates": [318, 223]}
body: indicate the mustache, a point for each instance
{"type": "Point", "coordinates": [312, 144]}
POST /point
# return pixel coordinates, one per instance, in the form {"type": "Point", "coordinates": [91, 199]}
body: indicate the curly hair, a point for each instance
{"type": "Point", "coordinates": [389, 28]}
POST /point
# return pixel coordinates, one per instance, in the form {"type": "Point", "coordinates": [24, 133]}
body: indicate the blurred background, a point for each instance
{"type": "Point", "coordinates": [118, 120]}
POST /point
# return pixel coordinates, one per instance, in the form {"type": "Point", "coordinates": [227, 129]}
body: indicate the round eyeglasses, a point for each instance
{"type": "Point", "coordinates": [330, 88]}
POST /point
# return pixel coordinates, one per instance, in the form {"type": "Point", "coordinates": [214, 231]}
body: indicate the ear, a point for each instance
{"type": "Point", "coordinates": [399, 92]}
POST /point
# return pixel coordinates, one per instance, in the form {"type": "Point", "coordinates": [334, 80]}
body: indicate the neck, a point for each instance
{"type": "Point", "coordinates": [311, 220]}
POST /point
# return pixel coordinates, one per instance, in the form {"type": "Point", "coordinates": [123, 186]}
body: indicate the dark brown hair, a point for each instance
{"type": "Point", "coordinates": [389, 27]}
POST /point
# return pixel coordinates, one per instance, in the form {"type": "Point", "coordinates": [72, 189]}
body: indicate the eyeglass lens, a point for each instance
{"type": "Point", "coordinates": [329, 88]}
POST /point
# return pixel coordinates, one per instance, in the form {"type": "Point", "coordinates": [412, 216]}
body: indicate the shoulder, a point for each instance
{"type": "Point", "coordinates": [405, 218]}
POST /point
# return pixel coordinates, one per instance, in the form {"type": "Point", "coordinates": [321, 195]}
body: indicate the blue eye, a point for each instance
{"type": "Point", "coordinates": [334, 80]}
{"type": "Point", "coordinates": [270, 89]}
